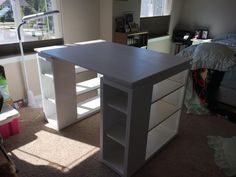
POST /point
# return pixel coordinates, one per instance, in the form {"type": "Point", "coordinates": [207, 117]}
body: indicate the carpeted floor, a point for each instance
{"type": "Point", "coordinates": [74, 152]}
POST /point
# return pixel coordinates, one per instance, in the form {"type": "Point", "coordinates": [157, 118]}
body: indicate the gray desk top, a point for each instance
{"type": "Point", "coordinates": [127, 65]}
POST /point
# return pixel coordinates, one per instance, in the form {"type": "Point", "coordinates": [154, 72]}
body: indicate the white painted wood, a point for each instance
{"type": "Point", "coordinates": [180, 77]}
{"type": "Point", "coordinates": [117, 133]}
{"type": "Point", "coordinates": [88, 107]}
{"type": "Point", "coordinates": [87, 86]}
{"type": "Point", "coordinates": [127, 98]}
{"type": "Point", "coordinates": [116, 159]}
{"type": "Point", "coordinates": [45, 66]}
{"type": "Point", "coordinates": [48, 86]}
{"type": "Point", "coordinates": [160, 135]}
{"type": "Point", "coordinates": [160, 111]}
{"type": "Point", "coordinates": [49, 109]}
{"type": "Point", "coordinates": [59, 91]}
{"type": "Point", "coordinates": [119, 103]}
{"type": "Point", "coordinates": [164, 88]}
{"type": "Point", "coordinates": [79, 69]}
{"type": "Point", "coordinates": [52, 122]}
{"type": "Point", "coordinates": [169, 85]}
{"type": "Point", "coordinates": [175, 98]}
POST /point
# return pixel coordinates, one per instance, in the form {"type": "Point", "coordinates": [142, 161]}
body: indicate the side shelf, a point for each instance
{"type": "Point", "coordinates": [115, 110]}
{"type": "Point", "coordinates": [137, 122]}
{"type": "Point", "coordinates": [59, 77]}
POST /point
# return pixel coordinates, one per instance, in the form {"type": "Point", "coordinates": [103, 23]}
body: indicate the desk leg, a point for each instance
{"type": "Point", "coordinates": [124, 126]}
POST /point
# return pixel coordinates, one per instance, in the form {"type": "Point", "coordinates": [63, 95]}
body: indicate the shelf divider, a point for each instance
{"type": "Point", "coordinates": [119, 103]}
{"type": "Point", "coordinates": [117, 133]}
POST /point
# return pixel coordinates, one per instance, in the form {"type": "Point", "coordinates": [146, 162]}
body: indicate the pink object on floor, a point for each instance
{"type": "Point", "coordinates": [10, 128]}
{"type": "Point", "coordinates": [9, 121]}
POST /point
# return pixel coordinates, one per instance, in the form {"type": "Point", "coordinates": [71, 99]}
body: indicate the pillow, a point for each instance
{"type": "Point", "coordinates": [188, 52]}
{"type": "Point", "coordinates": [213, 56]}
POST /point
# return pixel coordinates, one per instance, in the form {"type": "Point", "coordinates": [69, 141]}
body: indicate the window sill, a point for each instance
{"type": "Point", "coordinates": [13, 49]}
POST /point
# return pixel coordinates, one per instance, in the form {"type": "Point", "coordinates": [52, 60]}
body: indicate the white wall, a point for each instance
{"type": "Point", "coordinates": [216, 15]}
{"type": "Point", "coordinates": [160, 44]}
{"type": "Point", "coordinates": [106, 19]}
{"type": "Point", "coordinates": [80, 19]}
{"type": "Point", "coordinates": [14, 76]}
{"type": "Point", "coordinates": [177, 7]}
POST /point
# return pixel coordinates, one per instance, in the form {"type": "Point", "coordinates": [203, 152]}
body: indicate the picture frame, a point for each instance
{"type": "Point", "coordinates": [205, 34]}
{"type": "Point", "coordinates": [198, 34]}
{"type": "Point", "coordinates": [134, 27]}
{"type": "Point", "coordinates": [129, 18]}
{"type": "Point", "coordinates": [120, 24]}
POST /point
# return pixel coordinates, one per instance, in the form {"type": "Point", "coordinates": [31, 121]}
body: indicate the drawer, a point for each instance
{"type": "Point", "coordinates": [161, 134]}
{"type": "Point", "coordinates": [168, 86]}
{"type": "Point", "coordinates": [164, 108]}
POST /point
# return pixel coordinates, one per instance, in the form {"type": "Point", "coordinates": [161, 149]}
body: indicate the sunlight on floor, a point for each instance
{"type": "Point", "coordinates": [55, 151]}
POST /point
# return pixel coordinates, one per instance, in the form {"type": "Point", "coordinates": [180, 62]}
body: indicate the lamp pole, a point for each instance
{"type": "Point", "coordinates": [25, 19]}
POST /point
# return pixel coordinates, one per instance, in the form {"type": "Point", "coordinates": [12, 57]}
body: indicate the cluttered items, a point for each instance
{"type": "Point", "coordinates": [126, 24]}
{"type": "Point", "coordinates": [128, 32]}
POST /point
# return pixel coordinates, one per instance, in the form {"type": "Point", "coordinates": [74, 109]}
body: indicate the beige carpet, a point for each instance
{"type": "Point", "coordinates": [39, 151]}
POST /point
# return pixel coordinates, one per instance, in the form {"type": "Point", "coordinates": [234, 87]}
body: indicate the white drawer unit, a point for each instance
{"type": "Point", "coordinates": [167, 100]}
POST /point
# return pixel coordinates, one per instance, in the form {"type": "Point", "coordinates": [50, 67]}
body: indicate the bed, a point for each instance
{"type": "Point", "coordinates": [212, 78]}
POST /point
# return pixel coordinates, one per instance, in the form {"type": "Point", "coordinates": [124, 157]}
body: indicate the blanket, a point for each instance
{"type": "Point", "coordinates": [209, 62]}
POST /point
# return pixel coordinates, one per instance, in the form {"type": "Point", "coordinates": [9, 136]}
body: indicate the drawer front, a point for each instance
{"type": "Point", "coordinates": [164, 108]}
{"type": "Point", "coordinates": [168, 86]}
{"type": "Point", "coordinates": [161, 134]}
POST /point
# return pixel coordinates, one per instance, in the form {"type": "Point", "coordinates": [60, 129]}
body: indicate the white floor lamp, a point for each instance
{"type": "Point", "coordinates": [25, 19]}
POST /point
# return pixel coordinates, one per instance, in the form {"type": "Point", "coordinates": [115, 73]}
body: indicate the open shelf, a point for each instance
{"type": "Point", "coordinates": [114, 157]}
{"type": "Point", "coordinates": [119, 103]}
{"type": "Point", "coordinates": [88, 107]}
{"type": "Point", "coordinates": [161, 134]}
{"type": "Point", "coordinates": [117, 133]}
{"type": "Point", "coordinates": [87, 86]}
{"type": "Point", "coordinates": [79, 69]}
{"type": "Point", "coordinates": [164, 88]}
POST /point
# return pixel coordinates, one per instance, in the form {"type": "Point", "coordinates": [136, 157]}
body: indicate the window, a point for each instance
{"type": "Point", "coordinates": [151, 8]}
{"type": "Point", "coordinates": [155, 17]}
{"type": "Point", "coordinates": [11, 13]}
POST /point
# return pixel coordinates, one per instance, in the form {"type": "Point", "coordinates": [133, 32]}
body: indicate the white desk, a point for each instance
{"type": "Point", "coordinates": [141, 97]}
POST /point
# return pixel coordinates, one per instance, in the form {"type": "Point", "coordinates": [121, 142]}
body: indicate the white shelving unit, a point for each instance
{"type": "Point", "coordinates": [165, 104]}
{"type": "Point", "coordinates": [55, 102]}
